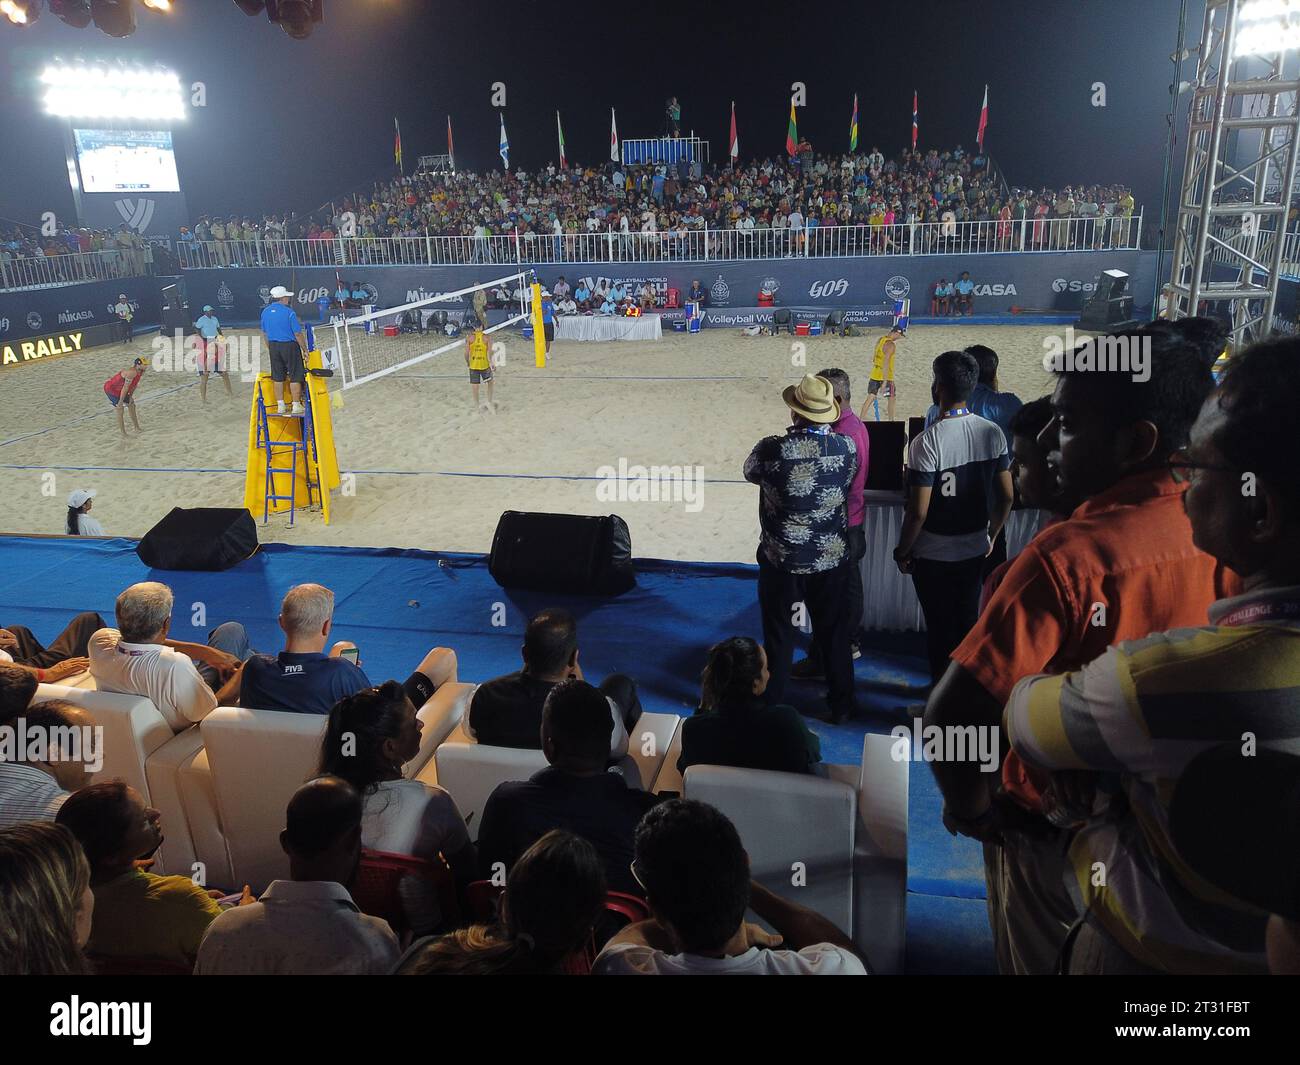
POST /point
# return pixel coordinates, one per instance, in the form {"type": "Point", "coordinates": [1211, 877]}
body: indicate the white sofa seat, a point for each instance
{"type": "Point", "coordinates": [880, 855]}
{"type": "Point", "coordinates": [797, 829]}
{"type": "Point", "coordinates": [134, 734]}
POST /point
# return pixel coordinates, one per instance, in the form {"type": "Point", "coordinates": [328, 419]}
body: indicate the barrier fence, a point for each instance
{"type": "Point", "coordinates": [73, 268]}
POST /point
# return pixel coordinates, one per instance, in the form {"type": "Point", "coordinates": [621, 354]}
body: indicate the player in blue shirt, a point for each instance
{"type": "Point", "coordinates": [548, 320]}
{"type": "Point", "coordinates": [965, 293]}
{"type": "Point", "coordinates": [211, 347]}
{"type": "Point", "coordinates": [287, 344]}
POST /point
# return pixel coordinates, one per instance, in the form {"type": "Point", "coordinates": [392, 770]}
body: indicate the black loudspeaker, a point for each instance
{"type": "Point", "coordinates": [206, 538]}
{"type": "Point", "coordinates": [888, 441]}
{"type": "Point", "coordinates": [567, 553]}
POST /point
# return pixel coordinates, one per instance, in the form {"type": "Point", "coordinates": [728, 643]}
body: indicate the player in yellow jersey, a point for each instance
{"type": "Point", "coordinates": [480, 365]}
{"type": "Point", "coordinates": [882, 375]}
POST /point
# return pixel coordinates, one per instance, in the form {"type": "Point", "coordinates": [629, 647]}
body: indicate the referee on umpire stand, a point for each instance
{"type": "Point", "coordinates": [286, 341]}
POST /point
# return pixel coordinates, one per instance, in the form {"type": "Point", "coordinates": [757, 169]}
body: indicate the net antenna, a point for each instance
{"type": "Point", "coordinates": [373, 345]}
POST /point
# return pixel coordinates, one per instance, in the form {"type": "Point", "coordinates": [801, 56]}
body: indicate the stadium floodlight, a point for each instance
{"type": "Point", "coordinates": [21, 12]}
{"type": "Point", "coordinates": [114, 17]}
{"type": "Point", "coordinates": [1266, 27]}
{"type": "Point", "coordinates": [158, 5]}
{"type": "Point", "coordinates": [81, 91]}
{"type": "Point", "coordinates": [75, 13]}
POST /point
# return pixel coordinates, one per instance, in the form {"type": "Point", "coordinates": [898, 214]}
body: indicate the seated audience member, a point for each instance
{"type": "Point", "coordinates": [551, 903]}
{"type": "Point", "coordinates": [735, 726]}
{"type": "Point", "coordinates": [695, 872]}
{"type": "Point", "coordinates": [65, 657]}
{"type": "Point", "coordinates": [1127, 547]}
{"type": "Point", "coordinates": [1235, 844]}
{"type": "Point", "coordinates": [560, 288]}
{"type": "Point", "coordinates": [645, 296]}
{"type": "Point", "coordinates": [507, 711]}
{"type": "Point", "coordinates": [370, 736]}
{"type": "Point", "coordinates": [582, 294]}
{"type": "Point", "coordinates": [941, 302]}
{"type": "Point", "coordinates": [306, 925]}
{"type": "Point", "coordinates": [17, 689]}
{"type": "Point", "coordinates": [566, 306]}
{"type": "Point", "coordinates": [608, 306]}
{"type": "Point", "coordinates": [45, 902]}
{"type": "Point", "coordinates": [304, 679]}
{"type": "Point", "coordinates": [696, 293]}
{"type": "Point", "coordinates": [137, 914]}
{"type": "Point", "coordinates": [52, 763]}
{"type": "Point", "coordinates": [137, 658]}
{"type": "Point", "coordinates": [1142, 710]}
{"type": "Point", "coordinates": [575, 792]}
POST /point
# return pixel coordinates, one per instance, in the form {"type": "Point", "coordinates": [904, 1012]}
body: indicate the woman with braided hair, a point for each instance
{"type": "Point", "coordinates": [734, 726]}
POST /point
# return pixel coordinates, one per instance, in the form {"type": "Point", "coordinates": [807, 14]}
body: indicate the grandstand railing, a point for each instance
{"type": "Point", "coordinates": [929, 238]}
{"type": "Point", "coordinates": [72, 268]}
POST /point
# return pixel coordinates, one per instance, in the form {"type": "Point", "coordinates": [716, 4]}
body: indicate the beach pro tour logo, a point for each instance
{"type": "Point", "coordinates": [720, 291]}
{"type": "Point", "coordinates": [898, 287]}
{"type": "Point", "coordinates": [827, 289]}
{"type": "Point", "coordinates": [1062, 285]}
{"type": "Point", "coordinates": [136, 213]}
{"type": "Point", "coordinates": [265, 293]}
{"type": "Point", "coordinates": [34, 320]}
{"type": "Point", "coordinates": [225, 298]}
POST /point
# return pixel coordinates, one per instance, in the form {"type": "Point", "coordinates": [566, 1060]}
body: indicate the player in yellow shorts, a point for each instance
{"type": "Point", "coordinates": [882, 375]}
{"type": "Point", "coordinates": [480, 365]}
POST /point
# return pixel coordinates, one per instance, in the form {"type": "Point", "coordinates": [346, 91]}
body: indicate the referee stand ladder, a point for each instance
{"type": "Point", "coordinates": [293, 447]}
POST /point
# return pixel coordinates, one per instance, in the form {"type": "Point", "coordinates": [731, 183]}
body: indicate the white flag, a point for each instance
{"type": "Point", "coordinates": [505, 144]}
{"type": "Point", "coordinates": [613, 136]}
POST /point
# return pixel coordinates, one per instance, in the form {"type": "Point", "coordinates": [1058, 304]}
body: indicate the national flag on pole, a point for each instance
{"type": "Point", "coordinates": [734, 140]}
{"type": "Point", "coordinates": [559, 131]}
{"type": "Point", "coordinates": [853, 126]}
{"type": "Point", "coordinates": [984, 119]}
{"type": "Point", "coordinates": [397, 143]}
{"type": "Point", "coordinates": [791, 134]}
{"type": "Point", "coordinates": [451, 151]}
{"type": "Point", "coordinates": [504, 149]}
{"type": "Point", "coordinates": [913, 120]}
{"type": "Point", "coordinates": [613, 137]}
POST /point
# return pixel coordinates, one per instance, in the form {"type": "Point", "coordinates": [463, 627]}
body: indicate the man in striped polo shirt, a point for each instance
{"type": "Point", "coordinates": [1135, 717]}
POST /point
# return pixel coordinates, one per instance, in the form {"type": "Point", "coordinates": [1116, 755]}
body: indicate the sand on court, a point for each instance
{"type": "Point", "coordinates": [430, 471]}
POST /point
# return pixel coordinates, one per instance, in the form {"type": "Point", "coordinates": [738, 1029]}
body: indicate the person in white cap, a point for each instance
{"type": "Point", "coordinates": [211, 346]}
{"type": "Point", "coordinates": [286, 341]}
{"type": "Point", "coordinates": [124, 315]}
{"type": "Point", "coordinates": [79, 522]}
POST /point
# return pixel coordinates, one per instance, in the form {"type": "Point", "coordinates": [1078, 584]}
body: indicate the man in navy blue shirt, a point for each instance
{"type": "Point", "coordinates": [286, 342]}
{"type": "Point", "coordinates": [548, 320]}
{"type": "Point", "coordinates": [303, 679]}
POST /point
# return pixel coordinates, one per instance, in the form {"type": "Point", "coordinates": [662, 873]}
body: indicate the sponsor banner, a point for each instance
{"type": "Point", "coordinates": [738, 317]}
{"type": "Point", "coordinates": [50, 345]}
{"type": "Point", "coordinates": [1056, 282]}
{"type": "Point", "coordinates": [42, 311]}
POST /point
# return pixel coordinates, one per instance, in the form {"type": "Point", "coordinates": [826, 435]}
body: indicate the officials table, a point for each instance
{"type": "Point", "coordinates": [607, 327]}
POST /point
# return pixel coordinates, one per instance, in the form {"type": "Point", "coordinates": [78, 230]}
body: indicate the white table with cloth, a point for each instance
{"type": "Point", "coordinates": [888, 596]}
{"type": "Point", "coordinates": [607, 327]}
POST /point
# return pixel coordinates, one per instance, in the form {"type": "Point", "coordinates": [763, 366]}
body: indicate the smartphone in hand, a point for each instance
{"type": "Point", "coordinates": [351, 654]}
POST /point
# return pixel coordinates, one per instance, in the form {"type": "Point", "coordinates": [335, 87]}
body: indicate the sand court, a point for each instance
{"type": "Point", "coordinates": [429, 471]}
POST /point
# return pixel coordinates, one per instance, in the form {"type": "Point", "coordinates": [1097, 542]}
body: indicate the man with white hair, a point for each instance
{"type": "Point", "coordinates": [304, 679]}
{"type": "Point", "coordinates": [137, 658]}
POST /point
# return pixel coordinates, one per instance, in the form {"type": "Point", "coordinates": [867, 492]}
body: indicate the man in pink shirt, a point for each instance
{"type": "Point", "coordinates": [849, 425]}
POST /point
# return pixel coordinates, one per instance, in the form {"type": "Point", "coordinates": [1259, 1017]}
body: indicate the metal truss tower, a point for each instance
{"type": "Point", "coordinates": [1230, 240]}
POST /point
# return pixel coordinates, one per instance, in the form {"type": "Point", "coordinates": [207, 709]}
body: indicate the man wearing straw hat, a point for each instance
{"type": "Point", "coordinates": [804, 476]}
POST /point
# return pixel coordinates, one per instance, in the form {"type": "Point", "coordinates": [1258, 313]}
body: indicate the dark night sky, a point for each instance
{"type": "Point", "coordinates": [290, 124]}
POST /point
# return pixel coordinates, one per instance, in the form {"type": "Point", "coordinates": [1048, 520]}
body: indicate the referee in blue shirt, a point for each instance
{"type": "Point", "coordinates": [286, 340]}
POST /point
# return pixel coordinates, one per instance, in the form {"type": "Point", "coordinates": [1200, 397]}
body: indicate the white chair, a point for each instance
{"type": "Point", "coordinates": [880, 856]}
{"type": "Point", "coordinates": [254, 760]}
{"type": "Point", "coordinates": [135, 736]}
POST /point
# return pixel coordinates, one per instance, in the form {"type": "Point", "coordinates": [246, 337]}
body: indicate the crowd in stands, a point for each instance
{"type": "Point", "coordinates": [774, 207]}
{"type": "Point", "coordinates": [125, 252]}
{"type": "Point", "coordinates": [1139, 657]}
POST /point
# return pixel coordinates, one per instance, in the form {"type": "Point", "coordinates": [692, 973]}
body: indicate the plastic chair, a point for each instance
{"type": "Point", "coordinates": [377, 889]}
{"type": "Point", "coordinates": [674, 299]}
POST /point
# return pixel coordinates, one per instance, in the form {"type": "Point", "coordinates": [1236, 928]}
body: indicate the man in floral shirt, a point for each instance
{"type": "Point", "coordinates": [804, 476]}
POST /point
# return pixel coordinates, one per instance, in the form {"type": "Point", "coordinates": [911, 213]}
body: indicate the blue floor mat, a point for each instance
{"type": "Point", "coordinates": [396, 604]}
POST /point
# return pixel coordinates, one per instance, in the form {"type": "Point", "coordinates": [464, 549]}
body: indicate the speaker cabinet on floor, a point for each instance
{"type": "Point", "coordinates": [204, 538]}
{"type": "Point", "coordinates": [568, 553]}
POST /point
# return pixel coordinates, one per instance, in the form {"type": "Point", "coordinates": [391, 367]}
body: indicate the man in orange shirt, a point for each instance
{"type": "Point", "coordinates": [1121, 566]}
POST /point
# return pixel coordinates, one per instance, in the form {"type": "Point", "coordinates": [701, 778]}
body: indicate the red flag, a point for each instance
{"type": "Point", "coordinates": [451, 151]}
{"type": "Point", "coordinates": [735, 142]}
{"type": "Point", "coordinates": [913, 120]}
{"type": "Point", "coordinates": [984, 119]}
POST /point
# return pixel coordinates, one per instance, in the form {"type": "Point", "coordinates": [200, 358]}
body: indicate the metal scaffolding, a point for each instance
{"type": "Point", "coordinates": [1243, 135]}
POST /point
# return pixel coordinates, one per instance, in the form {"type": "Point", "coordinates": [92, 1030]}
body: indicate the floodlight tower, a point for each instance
{"type": "Point", "coordinates": [1230, 240]}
